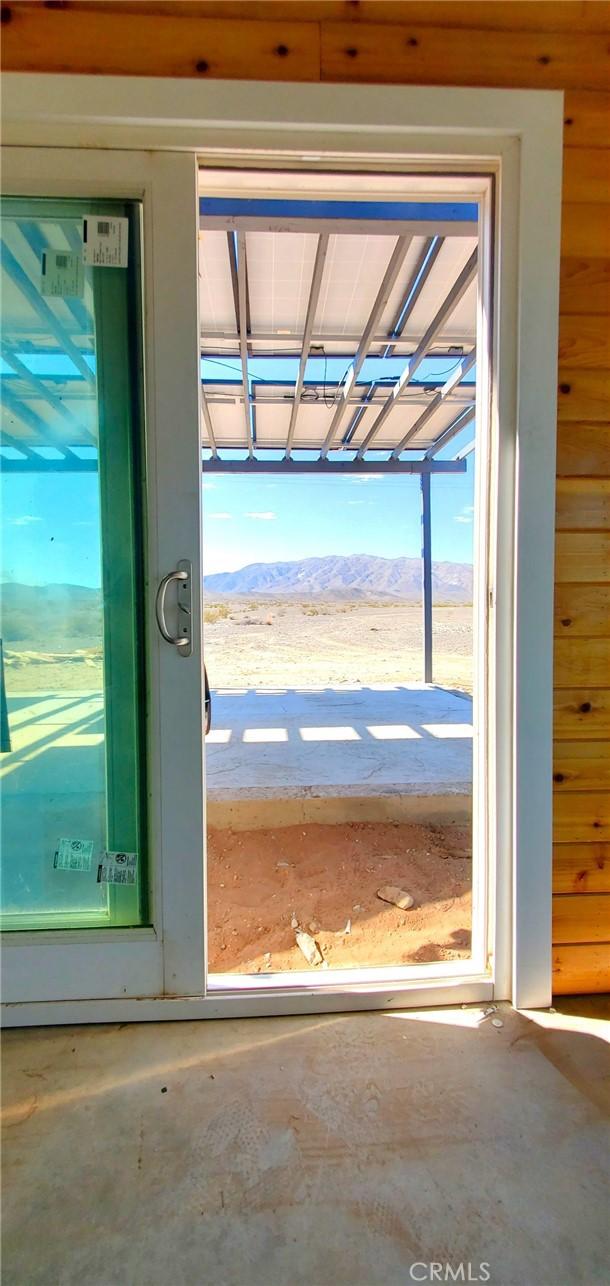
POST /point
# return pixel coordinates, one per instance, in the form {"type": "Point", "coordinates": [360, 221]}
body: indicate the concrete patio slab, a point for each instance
{"type": "Point", "coordinates": [400, 742]}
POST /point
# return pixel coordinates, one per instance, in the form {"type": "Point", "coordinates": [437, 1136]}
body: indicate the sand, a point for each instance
{"type": "Point", "coordinates": [293, 644]}
{"type": "Point", "coordinates": [327, 875]}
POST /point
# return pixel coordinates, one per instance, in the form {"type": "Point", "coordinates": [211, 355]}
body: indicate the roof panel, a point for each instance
{"type": "Point", "coordinates": [280, 267]}
{"type": "Point", "coordinates": [352, 276]}
{"type": "Point", "coordinates": [215, 285]}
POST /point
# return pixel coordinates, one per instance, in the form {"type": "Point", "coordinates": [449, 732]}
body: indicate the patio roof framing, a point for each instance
{"type": "Point", "coordinates": [419, 277]}
{"type": "Point", "coordinates": [207, 419]}
{"type": "Point", "coordinates": [457, 291]}
{"type": "Point", "coordinates": [455, 379]}
{"type": "Point", "coordinates": [455, 339]}
{"type": "Point", "coordinates": [37, 384]}
{"type": "Point", "coordinates": [390, 278]}
{"type": "Point", "coordinates": [255, 465]}
{"type": "Point", "coordinates": [242, 327]}
{"type": "Point", "coordinates": [314, 296]}
{"type": "Point", "coordinates": [461, 421]}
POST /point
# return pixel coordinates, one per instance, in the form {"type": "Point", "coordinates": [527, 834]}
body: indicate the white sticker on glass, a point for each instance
{"type": "Point", "coordinates": [63, 274]}
{"type": "Point", "coordinates": [105, 241]}
{"type": "Point", "coordinates": [73, 855]}
{"type": "Point", "coordinates": [117, 868]}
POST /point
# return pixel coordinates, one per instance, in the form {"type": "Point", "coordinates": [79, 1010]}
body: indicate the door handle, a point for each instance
{"type": "Point", "coordinates": [183, 577]}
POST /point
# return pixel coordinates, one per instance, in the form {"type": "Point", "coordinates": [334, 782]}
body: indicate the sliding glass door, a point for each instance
{"type": "Point", "coordinates": [73, 766]}
{"type": "Point", "coordinates": [99, 424]}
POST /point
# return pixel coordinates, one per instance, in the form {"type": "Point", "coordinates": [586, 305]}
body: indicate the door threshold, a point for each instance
{"type": "Point", "coordinates": [368, 978]}
{"type": "Point", "coordinates": [259, 1003]}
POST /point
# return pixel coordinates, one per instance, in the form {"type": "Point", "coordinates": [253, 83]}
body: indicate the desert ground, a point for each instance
{"type": "Point", "coordinates": [275, 642]}
{"type": "Point", "coordinates": [308, 644]}
{"type": "Point", "coordinates": [327, 878]}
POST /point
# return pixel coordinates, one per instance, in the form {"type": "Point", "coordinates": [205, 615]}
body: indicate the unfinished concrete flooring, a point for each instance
{"type": "Point", "coordinates": [346, 1149]}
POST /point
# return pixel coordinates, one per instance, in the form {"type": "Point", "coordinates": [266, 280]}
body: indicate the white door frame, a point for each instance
{"type": "Point", "coordinates": [166, 958]}
{"type": "Point", "coordinates": [517, 135]}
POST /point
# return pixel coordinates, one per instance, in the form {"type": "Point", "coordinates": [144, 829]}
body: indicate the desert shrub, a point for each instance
{"type": "Point", "coordinates": [318, 609]}
{"type": "Point", "coordinates": [215, 612]}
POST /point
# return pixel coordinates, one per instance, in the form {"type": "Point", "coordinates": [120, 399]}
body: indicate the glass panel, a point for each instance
{"type": "Point", "coordinates": [72, 761]}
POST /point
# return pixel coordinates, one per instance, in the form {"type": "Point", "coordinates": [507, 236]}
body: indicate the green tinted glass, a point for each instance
{"type": "Point", "coordinates": [72, 710]}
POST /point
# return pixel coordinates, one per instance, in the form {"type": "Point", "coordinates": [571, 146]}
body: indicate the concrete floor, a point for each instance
{"type": "Point", "coordinates": [361, 741]}
{"type": "Point", "coordinates": [352, 1149]}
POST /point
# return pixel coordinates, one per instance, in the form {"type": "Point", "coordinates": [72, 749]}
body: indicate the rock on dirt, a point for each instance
{"type": "Point", "coordinates": [309, 947]}
{"type": "Point", "coordinates": [397, 897]}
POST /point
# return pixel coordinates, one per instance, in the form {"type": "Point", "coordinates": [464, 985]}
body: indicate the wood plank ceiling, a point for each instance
{"type": "Point", "coordinates": [539, 45]}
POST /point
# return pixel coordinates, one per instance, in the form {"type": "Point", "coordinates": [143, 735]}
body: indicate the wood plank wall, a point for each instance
{"type": "Point", "coordinates": [535, 44]}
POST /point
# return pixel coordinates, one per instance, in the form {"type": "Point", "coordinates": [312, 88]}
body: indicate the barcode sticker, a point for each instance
{"type": "Point", "coordinates": [63, 274]}
{"type": "Point", "coordinates": [105, 242]}
{"type": "Point", "coordinates": [117, 868]}
{"type": "Point", "coordinates": [73, 855]}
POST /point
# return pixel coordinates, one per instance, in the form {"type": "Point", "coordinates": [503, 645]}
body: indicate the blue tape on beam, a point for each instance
{"type": "Point", "coordinates": [412, 211]}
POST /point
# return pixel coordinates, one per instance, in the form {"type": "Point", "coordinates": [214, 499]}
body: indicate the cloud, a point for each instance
{"type": "Point", "coordinates": [368, 477]}
{"type": "Point", "coordinates": [462, 518]}
{"type": "Point", "coordinates": [465, 515]}
{"type": "Point", "coordinates": [208, 486]}
{"type": "Point", "coordinates": [24, 520]}
{"type": "Point", "coordinates": [221, 515]}
{"type": "Point", "coordinates": [267, 516]}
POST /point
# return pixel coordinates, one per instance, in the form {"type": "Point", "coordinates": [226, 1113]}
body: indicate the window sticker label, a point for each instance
{"type": "Point", "coordinates": [73, 855]}
{"type": "Point", "coordinates": [117, 868]}
{"type": "Point", "coordinates": [63, 274]}
{"type": "Point", "coordinates": [105, 241]}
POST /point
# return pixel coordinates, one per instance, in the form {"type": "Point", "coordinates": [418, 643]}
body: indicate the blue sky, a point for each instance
{"type": "Point", "coordinates": [301, 517]}
{"type": "Point", "coordinates": [51, 521]}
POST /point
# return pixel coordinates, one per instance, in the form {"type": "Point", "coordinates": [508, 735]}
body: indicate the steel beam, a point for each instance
{"type": "Point", "coordinates": [355, 227]}
{"type": "Point", "coordinates": [205, 411]}
{"type": "Point", "coordinates": [419, 277]}
{"type": "Point", "coordinates": [455, 339]}
{"type": "Point", "coordinates": [45, 436]}
{"type": "Point", "coordinates": [242, 268]}
{"type": "Point", "coordinates": [461, 421]}
{"type": "Point", "coordinates": [73, 464]}
{"type": "Point", "coordinates": [426, 563]}
{"type": "Point", "coordinates": [355, 399]}
{"type": "Point", "coordinates": [466, 451]}
{"type": "Point", "coordinates": [314, 295]}
{"type": "Point", "coordinates": [443, 394]}
{"type": "Point", "coordinates": [7, 440]}
{"type": "Point", "coordinates": [346, 467]}
{"type": "Point", "coordinates": [390, 278]}
{"type": "Point", "coordinates": [458, 290]}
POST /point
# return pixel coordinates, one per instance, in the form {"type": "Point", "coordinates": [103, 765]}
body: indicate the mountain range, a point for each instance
{"type": "Point", "coordinates": [345, 576]}
{"type": "Point", "coordinates": [51, 611]}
